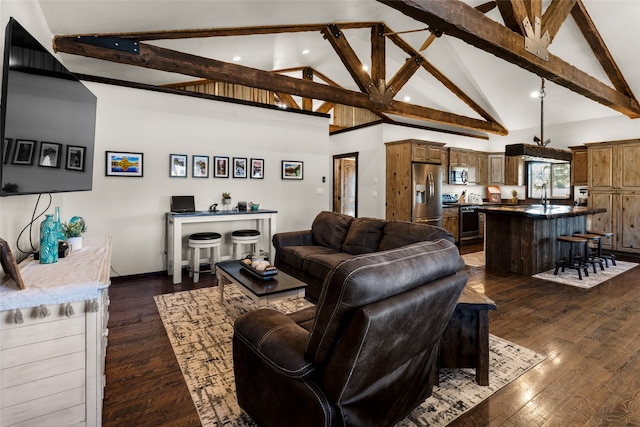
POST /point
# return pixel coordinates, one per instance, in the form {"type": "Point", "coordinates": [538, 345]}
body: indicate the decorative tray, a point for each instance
{"type": "Point", "coordinates": [264, 275]}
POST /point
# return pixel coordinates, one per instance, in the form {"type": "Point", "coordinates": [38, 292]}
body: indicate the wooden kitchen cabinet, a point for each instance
{"type": "Point", "coordinates": [513, 170]}
{"type": "Point", "coordinates": [426, 153]}
{"type": "Point", "coordinates": [450, 221]}
{"type": "Point", "coordinates": [482, 176]}
{"type": "Point", "coordinates": [495, 175]}
{"type": "Point", "coordinates": [579, 165]}
{"type": "Point", "coordinates": [458, 157]}
{"type": "Point", "coordinates": [614, 184]}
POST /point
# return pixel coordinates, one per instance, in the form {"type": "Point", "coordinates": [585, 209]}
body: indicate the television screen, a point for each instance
{"type": "Point", "coordinates": [47, 123]}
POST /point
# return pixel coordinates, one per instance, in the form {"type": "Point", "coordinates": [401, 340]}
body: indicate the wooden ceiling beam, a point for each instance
{"type": "Point", "coordinates": [348, 57]}
{"type": "Point", "coordinates": [307, 103]}
{"type": "Point", "coordinates": [599, 48]}
{"type": "Point", "coordinates": [288, 100]}
{"type": "Point", "coordinates": [158, 58]}
{"type": "Point", "coordinates": [402, 76]}
{"type": "Point", "coordinates": [378, 54]}
{"type": "Point", "coordinates": [457, 19]}
{"type": "Point", "coordinates": [513, 13]}
{"type": "Point", "coordinates": [555, 15]}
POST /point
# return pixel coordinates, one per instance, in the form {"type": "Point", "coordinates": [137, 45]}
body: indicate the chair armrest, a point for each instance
{"type": "Point", "coordinates": [278, 340]}
{"type": "Point", "coordinates": [292, 238]}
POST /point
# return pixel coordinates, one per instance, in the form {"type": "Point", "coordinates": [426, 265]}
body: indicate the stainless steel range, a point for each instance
{"type": "Point", "coordinates": [469, 224]}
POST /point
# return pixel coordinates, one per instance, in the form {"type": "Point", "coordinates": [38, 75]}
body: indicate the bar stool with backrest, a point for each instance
{"type": "Point", "coordinates": [572, 261]}
{"type": "Point", "coordinates": [244, 237]}
{"type": "Point", "coordinates": [206, 240]}
{"type": "Point", "coordinates": [591, 256]}
{"type": "Point", "coordinates": [601, 254]}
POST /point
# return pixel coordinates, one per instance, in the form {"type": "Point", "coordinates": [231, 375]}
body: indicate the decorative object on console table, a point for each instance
{"type": "Point", "coordinates": [73, 231]}
{"type": "Point", "coordinates": [9, 264]}
{"type": "Point", "coordinates": [226, 200]}
{"type": "Point", "coordinates": [49, 240]}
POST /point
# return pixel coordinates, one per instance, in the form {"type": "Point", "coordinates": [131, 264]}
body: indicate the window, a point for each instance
{"type": "Point", "coordinates": [555, 176]}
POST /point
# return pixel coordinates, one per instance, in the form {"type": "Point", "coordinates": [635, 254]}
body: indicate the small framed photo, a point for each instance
{"type": "Point", "coordinates": [239, 167]}
{"type": "Point", "coordinates": [123, 163]}
{"type": "Point", "coordinates": [23, 153]}
{"type": "Point", "coordinates": [220, 167]}
{"type": "Point", "coordinates": [200, 166]}
{"type": "Point", "coordinates": [256, 169]}
{"type": "Point", "coordinates": [178, 165]}
{"type": "Point", "coordinates": [292, 169]}
{"type": "Point", "coordinates": [74, 159]}
{"type": "Point", "coordinates": [50, 154]}
{"type": "Point", "coordinates": [6, 150]}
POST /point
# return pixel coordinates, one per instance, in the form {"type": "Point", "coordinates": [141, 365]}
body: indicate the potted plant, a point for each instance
{"type": "Point", "coordinates": [73, 231]}
{"type": "Point", "coordinates": [226, 198]}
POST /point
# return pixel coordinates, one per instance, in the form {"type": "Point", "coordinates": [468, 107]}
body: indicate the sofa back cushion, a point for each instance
{"type": "Point", "coordinates": [364, 236]}
{"type": "Point", "coordinates": [329, 229]}
{"type": "Point", "coordinates": [368, 278]}
{"type": "Point", "coordinates": [401, 233]}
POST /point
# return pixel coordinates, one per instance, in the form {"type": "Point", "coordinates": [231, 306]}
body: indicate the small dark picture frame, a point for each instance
{"type": "Point", "coordinates": [74, 160]}
{"type": "Point", "coordinates": [49, 155]}
{"type": "Point", "coordinates": [124, 163]}
{"type": "Point", "coordinates": [239, 167]}
{"type": "Point", "coordinates": [292, 169]}
{"type": "Point", "coordinates": [200, 166]}
{"type": "Point", "coordinates": [6, 150]}
{"type": "Point", "coordinates": [220, 167]}
{"type": "Point", "coordinates": [23, 154]}
{"type": "Point", "coordinates": [178, 164]}
{"type": "Point", "coordinates": [256, 169]}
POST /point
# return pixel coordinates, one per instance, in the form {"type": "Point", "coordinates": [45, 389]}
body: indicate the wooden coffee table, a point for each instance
{"type": "Point", "coordinates": [261, 291]}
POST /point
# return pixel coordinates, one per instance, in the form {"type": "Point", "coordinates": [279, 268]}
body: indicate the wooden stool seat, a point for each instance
{"type": "Point", "coordinates": [572, 261]}
{"type": "Point", "coordinates": [602, 255]}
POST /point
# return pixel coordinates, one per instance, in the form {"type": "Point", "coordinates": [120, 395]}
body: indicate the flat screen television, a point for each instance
{"type": "Point", "coordinates": [47, 122]}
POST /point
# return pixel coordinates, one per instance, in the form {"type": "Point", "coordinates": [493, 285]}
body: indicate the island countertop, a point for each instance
{"type": "Point", "coordinates": [540, 211]}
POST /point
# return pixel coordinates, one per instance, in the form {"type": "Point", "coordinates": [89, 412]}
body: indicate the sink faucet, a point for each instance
{"type": "Point", "coordinates": [543, 195]}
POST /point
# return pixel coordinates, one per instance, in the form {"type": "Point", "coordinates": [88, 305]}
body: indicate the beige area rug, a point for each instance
{"type": "Point", "coordinates": [474, 259]}
{"type": "Point", "coordinates": [200, 331]}
{"type": "Point", "coordinates": [570, 276]}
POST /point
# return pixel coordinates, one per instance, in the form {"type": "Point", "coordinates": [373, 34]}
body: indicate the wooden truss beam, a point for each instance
{"type": "Point", "coordinates": [154, 57]}
{"type": "Point", "coordinates": [457, 19]}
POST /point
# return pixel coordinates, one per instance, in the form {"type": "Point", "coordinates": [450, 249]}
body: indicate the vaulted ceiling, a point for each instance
{"type": "Point", "coordinates": [466, 67]}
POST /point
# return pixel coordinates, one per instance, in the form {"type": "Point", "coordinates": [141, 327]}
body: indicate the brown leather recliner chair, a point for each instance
{"type": "Point", "coordinates": [365, 355]}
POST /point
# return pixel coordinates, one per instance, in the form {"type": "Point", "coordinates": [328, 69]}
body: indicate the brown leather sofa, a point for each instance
{"type": "Point", "coordinates": [365, 355]}
{"type": "Point", "coordinates": [309, 255]}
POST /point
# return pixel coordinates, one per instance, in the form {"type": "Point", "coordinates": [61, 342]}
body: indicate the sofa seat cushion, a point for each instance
{"type": "Point", "coordinates": [294, 256]}
{"type": "Point", "coordinates": [318, 265]}
{"type": "Point", "coordinates": [330, 229]}
{"type": "Point", "coordinates": [364, 235]}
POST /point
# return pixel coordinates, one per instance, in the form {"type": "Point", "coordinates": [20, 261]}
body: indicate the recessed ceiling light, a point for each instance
{"type": "Point", "coordinates": [535, 94]}
{"type": "Point", "coordinates": [364, 67]}
{"type": "Point", "coordinates": [304, 52]}
{"type": "Point", "coordinates": [237, 58]}
{"type": "Point", "coordinates": [407, 98]}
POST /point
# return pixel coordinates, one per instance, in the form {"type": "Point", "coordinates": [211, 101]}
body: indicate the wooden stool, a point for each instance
{"type": "Point", "coordinates": [199, 241]}
{"type": "Point", "coordinates": [244, 237]}
{"type": "Point", "coordinates": [589, 256]}
{"type": "Point", "coordinates": [572, 262]}
{"type": "Point", "coordinates": [602, 255]}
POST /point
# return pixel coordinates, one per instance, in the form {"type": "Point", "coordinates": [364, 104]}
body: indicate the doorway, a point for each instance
{"type": "Point", "coordinates": [345, 184]}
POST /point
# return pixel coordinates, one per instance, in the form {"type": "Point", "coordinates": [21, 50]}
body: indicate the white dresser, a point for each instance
{"type": "Point", "coordinates": [53, 339]}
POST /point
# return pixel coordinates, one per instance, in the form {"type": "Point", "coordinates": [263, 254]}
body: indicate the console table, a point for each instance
{"type": "Point", "coordinates": [53, 339]}
{"type": "Point", "coordinates": [265, 221]}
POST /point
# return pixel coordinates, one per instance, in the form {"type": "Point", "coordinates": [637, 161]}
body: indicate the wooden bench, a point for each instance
{"type": "Point", "coordinates": [465, 343]}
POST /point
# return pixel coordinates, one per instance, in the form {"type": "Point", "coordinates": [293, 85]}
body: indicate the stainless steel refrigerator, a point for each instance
{"type": "Point", "coordinates": [426, 190]}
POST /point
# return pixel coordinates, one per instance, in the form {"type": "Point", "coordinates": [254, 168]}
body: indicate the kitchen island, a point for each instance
{"type": "Point", "coordinates": [523, 238]}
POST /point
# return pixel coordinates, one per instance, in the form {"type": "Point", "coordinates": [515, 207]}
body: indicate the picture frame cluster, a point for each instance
{"type": "Point", "coordinates": [24, 152]}
{"type": "Point", "coordinates": [223, 167]}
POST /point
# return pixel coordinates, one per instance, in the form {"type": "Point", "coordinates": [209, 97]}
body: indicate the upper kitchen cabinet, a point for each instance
{"type": "Point", "coordinates": [483, 169]}
{"type": "Point", "coordinates": [458, 157]}
{"type": "Point", "coordinates": [475, 161]}
{"type": "Point", "coordinates": [424, 151]}
{"type": "Point", "coordinates": [514, 170]}
{"type": "Point", "coordinates": [496, 169]}
{"type": "Point", "coordinates": [614, 184]}
{"type": "Point", "coordinates": [579, 165]}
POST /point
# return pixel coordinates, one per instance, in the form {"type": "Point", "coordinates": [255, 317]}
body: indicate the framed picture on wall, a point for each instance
{"type": "Point", "coordinates": [178, 165]}
{"type": "Point", "coordinates": [239, 167]}
{"type": "Point", "coordinates": [220, 167]}
{"type": "Point", "coordinates": [123, 163]}
{"type": "Point", "coordinates": [200, 166]}
{"type": "Point", "coordinates": [256, 169]}
{"type": "Point", "coordinates": [24, 152]}
{"type": "Point", "coordinates": [74, 160]}
{"type": "Point", "coordinates": [50, 153]}
{"type": "Point", "coordinates": [292, 169]}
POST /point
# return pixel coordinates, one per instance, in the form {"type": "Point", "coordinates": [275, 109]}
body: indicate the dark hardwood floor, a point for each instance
{"type": "Point", "coordinates": [591, 339]}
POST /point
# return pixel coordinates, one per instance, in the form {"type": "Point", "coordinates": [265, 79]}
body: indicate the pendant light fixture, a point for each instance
{"type": "Point", "coordinates": [541, 141]}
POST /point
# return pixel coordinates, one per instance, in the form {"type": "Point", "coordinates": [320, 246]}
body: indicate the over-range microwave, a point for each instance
{"type": "Point", "coordinates": [458, 175]}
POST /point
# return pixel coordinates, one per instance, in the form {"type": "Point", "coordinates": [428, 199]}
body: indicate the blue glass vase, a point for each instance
{"type": "Point", "coordinates": [49, 231]}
